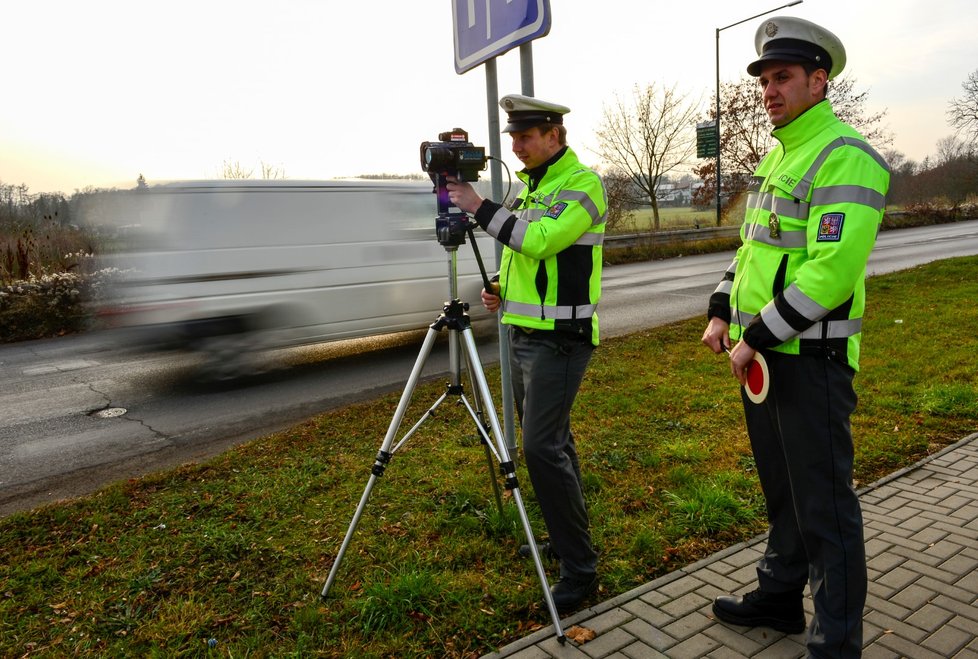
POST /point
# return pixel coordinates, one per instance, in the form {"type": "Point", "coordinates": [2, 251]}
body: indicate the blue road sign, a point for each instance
{"type": "Point", "coordinates": [484, 29]}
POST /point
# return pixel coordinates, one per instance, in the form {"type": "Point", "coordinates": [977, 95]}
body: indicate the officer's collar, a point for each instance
{"type": "Point", "coordinates": [806, 124]}
{"type": "Point", "coordinates": [536, 174]}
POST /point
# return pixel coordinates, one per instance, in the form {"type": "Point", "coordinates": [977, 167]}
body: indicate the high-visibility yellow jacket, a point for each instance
{"type": "Point", "coordinates": [550, 272]}
{"type": "Point", "coordinates": [814, 206]}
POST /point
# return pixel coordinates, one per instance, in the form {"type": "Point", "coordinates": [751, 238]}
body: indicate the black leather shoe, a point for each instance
{"type": "Point", "coordinates": [569, 593]}
{"type": "Point", "coordinates": [544, 548]}
{"type": "Point", "coordinates": [781, 612]}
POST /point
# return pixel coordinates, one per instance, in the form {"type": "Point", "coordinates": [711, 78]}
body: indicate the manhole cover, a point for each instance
{"type": "Point", "coordinates": [109, 412]}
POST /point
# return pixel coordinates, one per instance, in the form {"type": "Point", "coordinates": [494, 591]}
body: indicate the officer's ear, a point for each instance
{"type": "Point", "coordinates": [818, 82]}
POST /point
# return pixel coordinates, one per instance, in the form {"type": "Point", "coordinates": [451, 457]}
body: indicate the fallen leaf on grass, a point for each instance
{"type": "Point", "coordinates": [581, 634]}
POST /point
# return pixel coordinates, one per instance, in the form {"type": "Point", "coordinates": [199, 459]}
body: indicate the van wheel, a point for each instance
{"type": "Point", "coordinates": [232, 356]}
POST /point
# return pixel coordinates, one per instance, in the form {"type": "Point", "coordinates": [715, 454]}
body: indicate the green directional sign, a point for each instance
{"type": "Point", "coordinates": [707, 144]}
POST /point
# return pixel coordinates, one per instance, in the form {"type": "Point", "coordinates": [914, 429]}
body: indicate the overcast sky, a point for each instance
{"type": "Point", "coordinates": [97, 92]}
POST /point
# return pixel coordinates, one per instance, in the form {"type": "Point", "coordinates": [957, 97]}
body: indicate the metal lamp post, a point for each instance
{"type": "Point", "coordinates": [718, 31]}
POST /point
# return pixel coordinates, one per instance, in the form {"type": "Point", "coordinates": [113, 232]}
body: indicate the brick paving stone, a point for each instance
{"type": "Point", "coordinates": [680, 587]}
{"type": "Point", "coordinates": [607, 643]}
{"type": "Point", "coordinates": [914, 596]}
{"type": "Point", "coordinates": [877, 547]}
{"type": "Point", "coordinates": [897, 578]}
{"type": "Point", "coordinates": [747, 556]}
{"type": "Point", "coordinates": [884, 562]}
{"type": "Point", "coordinates": [945, 549]}
{"type": "Point", "coordinates": [686, 604]}
{"type": "Point", "coordinates": [875, 651]}
{"type": "Point", "coordinates": [608, 620]}
{"type": "Point", "coordinates": [916, 554]}
{"type": "Point", "coordinates": [745, 575]}
{"type": "Point", "coordinates": [965, 625]}
{"type": "Point", "coordinates": [891, 609]}
{"type": "Point", "coordinates": [532, 652]}
{"type": "Point", "coordinates": [785, 648]}
{"type": "Point", "coordinates": [968, 582]}
{"type": "Point", "coordinates": [647, 613]}
{"type": "Point", "coordinates": [969, 530]}
{"type": "Point", "coordinates": [568, 650]}
{"type": "Point", "coordinates": [905, 648]}
{"type": "Point", "coordinates": [639, 650]}
{"type": "Point", "coordinates": [967, 512]}
{"type": "Point", "coordinates": [954, 592]}
{"type": "Point", "coordinates": [934, 573]}
{"type": "Point", "coordinates": [687, 626]}
{"type": "Point", "coordinates": [654, 598]}
{"type": "Point", "coordinates": [733, 639]}
{"type": "Point", "coordinates": [965, 609]}
{"type": "Point", "coordinates": [654, 637]}
{"type": "Point", "coordinates": [720, 583]}
{"type": "Point", "coordinates": [930, 618]}
{"type": "Point", "coordinates": [892, 626]}
{"type": "Point", "coordinates": [696, 646]}
{"type": "Point", "coordinates": [724, 653]}
{"type": "Point", "coordinates": [947, 641]}
{"type": "Point", "coordinates": [929, 536]}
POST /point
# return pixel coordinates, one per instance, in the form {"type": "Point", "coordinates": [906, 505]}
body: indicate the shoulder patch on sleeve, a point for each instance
{"type": "Point", "coordinates": [830, 227]}
{"type": "Point", "coordinates": [555, 210]}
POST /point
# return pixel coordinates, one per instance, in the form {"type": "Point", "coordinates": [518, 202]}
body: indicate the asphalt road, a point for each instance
{"type": "Point", "coordinates": [79, 412]}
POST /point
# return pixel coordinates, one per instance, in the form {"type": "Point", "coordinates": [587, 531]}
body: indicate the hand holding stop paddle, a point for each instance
{"type": "Point", "coordinates": [757, 380]}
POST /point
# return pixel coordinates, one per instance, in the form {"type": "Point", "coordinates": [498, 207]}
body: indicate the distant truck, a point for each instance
{"type": "Point", "coordinates": [230, 268]}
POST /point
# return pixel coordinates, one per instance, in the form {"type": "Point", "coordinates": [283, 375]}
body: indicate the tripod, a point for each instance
{"type": "Point", "coordinates": [455, 318]}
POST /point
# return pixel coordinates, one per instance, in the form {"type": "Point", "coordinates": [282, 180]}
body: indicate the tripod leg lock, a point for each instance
{"type": "Point", "coordinates": [507, 468]}
{"type": "Point", "coordinates": [383, 458]}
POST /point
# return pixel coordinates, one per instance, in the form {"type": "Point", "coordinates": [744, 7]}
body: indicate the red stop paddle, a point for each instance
{"type": "Point", "coordinates": [758, 378]}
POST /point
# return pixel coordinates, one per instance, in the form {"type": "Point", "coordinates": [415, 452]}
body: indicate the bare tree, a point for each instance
{"type": "Point", "coordinates": [962, 113]}
{"type": "Point", "coordinates": [269, 172]}
{"type": "Point", "coordinates": [952, 148]}
{"type": "Point", "coordinates": [645, 140]}
{"type": "Point", "coordinates": [234, 170]}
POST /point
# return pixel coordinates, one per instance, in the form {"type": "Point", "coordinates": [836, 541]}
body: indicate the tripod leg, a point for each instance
{"type": "Point", "coordinates": [509, 469]}
{"type": "Point", "coordinates": [479, 417]}
{"type": "Point", "coordinates": [384, 455]}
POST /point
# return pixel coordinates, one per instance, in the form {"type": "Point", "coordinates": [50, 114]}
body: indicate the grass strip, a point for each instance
{"type": "Point", "coordinates": [228, 557]}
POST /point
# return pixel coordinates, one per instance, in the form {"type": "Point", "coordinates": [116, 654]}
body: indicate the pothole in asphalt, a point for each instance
{"type": "Point", "coordinates": [108, 412]}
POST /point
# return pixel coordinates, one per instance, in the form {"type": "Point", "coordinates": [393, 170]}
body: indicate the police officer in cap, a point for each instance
{"type": "Point", "coordinates": [795, 292]}
{"type": "Point", "coordinates": [549, 284]}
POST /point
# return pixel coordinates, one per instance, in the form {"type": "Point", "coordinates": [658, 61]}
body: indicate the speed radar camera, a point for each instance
{"type": "Point", "coordinates": [452, 155]}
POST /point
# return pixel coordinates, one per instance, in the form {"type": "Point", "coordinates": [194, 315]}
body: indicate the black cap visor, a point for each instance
{"type": "Point", "coordinates": [521, 120]}
{"type": "Point", "coordinates": [791, 50]}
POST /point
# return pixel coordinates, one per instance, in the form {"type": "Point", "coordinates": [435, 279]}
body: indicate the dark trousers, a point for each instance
{"type": "Point", "coordinates": [802, 445]}
{"type": "Point", "coordinates": [547, 370]}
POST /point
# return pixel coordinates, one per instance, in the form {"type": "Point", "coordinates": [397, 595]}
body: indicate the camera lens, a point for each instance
{"type": "Point", "coordinates": [436, 157]}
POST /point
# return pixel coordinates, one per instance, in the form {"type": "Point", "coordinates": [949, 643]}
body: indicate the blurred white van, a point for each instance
{"type": "Point", "coordinates": [230, 267]}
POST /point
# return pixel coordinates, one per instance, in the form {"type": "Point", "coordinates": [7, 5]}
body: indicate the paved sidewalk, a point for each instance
{"type": "Point", "coordinates": [922, 550]}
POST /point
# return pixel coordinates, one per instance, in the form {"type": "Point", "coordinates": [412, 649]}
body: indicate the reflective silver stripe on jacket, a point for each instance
{"type": "Point", "coordinates": [584, 200]}
{"type": "Point", "coordinates": [804, 186]}
{"type": "Point", "coordinates": [547, 312]}
{"type": "Point", "coordinates": [849, 194]}
{"type": "Point", "coordinates": [590, 239]}
{"type": "Point", "coordinates": [779, 328]}
{"type": "Point", "coordinates": [498, 219]}
{"type": "Point", "coordinates": [834, 329]}
{"type": "Point", "coordinates": [782, 206]}
{"type": "Point", "coordinates": [726, 284]}
{"type": "Point", "coordinates": [803, 304]}
{"type": "Point", "coordinates": [761, 233]}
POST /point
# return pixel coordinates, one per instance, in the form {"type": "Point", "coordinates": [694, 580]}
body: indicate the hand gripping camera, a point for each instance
{"type": "Point", "coordinates": [452, 155]}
